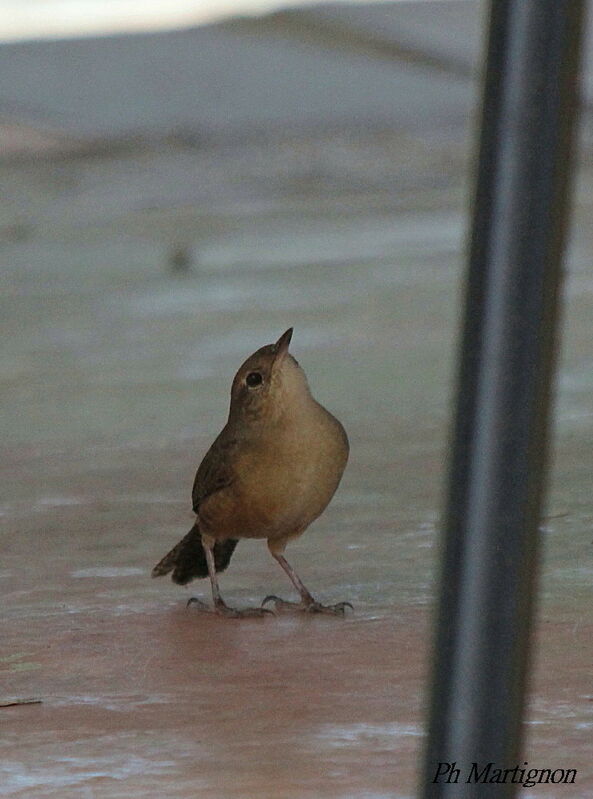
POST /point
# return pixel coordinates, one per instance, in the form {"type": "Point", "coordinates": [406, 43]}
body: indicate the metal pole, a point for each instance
{"type": "Point", "coordinates": [498, 455]}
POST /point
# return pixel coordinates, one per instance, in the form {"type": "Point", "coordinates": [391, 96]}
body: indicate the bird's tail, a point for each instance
{"type": "Point", "coordinates": [187, 559]}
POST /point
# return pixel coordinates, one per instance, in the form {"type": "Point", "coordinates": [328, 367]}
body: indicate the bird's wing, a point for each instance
{"type": "Point", "coordinates": [215, 472]}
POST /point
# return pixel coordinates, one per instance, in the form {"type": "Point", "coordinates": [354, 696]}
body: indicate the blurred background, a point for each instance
{"type": "Point", "coordinates": [180, 183]}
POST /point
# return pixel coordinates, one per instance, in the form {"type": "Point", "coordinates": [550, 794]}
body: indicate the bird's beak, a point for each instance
{"type": "Point", "coordinates": [281, 346]}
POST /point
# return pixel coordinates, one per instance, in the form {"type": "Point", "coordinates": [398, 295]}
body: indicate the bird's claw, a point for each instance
{"type": "Point", "coordinates": [339, 609]}
{"type": "Point", "coordinates": [235, 613]}
{"type": "Point", "coordinates": [222, 609]}
{"type": "Point", "coordinates": [195, 601]}
{"type": "Point", "coordinates": [308, 606]}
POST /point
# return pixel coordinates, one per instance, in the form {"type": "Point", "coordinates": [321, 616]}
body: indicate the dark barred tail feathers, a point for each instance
{"type": "Point", "coordinates": [187, 559]}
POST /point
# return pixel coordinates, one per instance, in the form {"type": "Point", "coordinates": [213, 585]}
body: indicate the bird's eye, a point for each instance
{"type": "Point", "coordinates": [254, 379]}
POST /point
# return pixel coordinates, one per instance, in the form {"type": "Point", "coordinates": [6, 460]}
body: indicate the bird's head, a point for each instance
{"type": "Point", "coordinates": [269, 384]}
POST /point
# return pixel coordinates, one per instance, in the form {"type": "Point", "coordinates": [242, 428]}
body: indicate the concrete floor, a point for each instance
{"type": "Point", "coordinates": [115, 375]}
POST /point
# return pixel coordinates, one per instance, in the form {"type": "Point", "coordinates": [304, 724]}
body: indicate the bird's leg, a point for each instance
{"type": "Point", "coordinates": [308, 603]}
{"type": "Point", "coordinates": [220, 605]}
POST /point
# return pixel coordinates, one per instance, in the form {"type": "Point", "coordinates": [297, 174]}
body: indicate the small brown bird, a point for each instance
{"type": "Point", "coordinates": [272, 470]}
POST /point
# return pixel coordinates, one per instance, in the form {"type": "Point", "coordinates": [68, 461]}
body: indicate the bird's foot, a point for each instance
{"type": "Point", "coordinates": [222, 609]}
{"type": "Point", "coordinates": [308, 605]}
{"type": "Point", "coordinates": [201, 605]}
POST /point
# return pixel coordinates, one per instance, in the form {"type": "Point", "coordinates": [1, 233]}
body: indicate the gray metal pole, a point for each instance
{"type": "Point", "coordinates": [498, 455]}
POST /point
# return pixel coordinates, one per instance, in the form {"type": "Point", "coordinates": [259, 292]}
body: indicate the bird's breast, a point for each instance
{"type": "Point", "coordinates": [289, 475]}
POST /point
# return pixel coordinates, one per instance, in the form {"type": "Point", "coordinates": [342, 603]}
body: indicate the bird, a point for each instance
{"type": "Point", "coordinates": [271, 471]}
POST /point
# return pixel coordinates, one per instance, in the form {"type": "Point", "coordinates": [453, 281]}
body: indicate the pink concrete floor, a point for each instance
{"type": "Point", "coordinates": [143, 697]}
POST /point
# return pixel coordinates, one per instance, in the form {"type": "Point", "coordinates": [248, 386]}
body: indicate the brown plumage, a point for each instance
{"type": "Point", "coordinates": [272, 470]}
{"type": "Point", "coordinates": [187, 560]}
